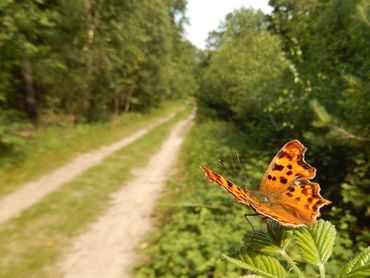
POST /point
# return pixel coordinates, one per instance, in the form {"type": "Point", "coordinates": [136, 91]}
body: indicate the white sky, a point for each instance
{"type": "Point", "coordinates": [206, 15]}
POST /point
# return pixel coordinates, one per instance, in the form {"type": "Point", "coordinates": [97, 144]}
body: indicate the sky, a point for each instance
{"type": "Point", "coordinates": [206, 15]}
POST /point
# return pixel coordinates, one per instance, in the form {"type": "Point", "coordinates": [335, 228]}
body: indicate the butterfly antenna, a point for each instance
{"type": "Point", "coordinates": [241, 167]}
{"type": "Point", "coordinates": [226, 168]}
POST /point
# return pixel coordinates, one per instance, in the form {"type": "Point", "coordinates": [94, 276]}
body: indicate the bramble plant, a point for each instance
{"type": "Point", "coordinates": [273, 252]}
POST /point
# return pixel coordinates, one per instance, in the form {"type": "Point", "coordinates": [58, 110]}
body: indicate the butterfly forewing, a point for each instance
{"type": "Point", "coordinates": [286, 167]}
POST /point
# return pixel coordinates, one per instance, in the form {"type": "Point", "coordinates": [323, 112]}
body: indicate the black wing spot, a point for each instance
{"type": "Point", "coordinates": [217, 178]}
{"type": "Point", "coordinates": [277, 167]}
{"type": "Point", "coordinates": [289, 194]}
{"type": "Point", "coordinates": [229, 184]}
{"type": "Point", "coordinates": [289, 173]}
{"type": "Point", "coordinates": [281, 154]}
{"type": "Point", "coordinates": [318, 203]}
{"type": "Point", "coordinates": [301, 163]}
{"type": "Point", "coordinates": [269, 177]}
{"type": "Point", "coordinates": [283, 180]}
{"type": "Point", "coordinates": [291, 188]}
{"type": "Point", "coordinates": [290, 167]}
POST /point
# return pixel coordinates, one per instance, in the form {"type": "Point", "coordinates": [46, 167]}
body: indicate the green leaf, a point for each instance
{"type": "Point", "coordinates": [359, 266]}
{"type": "Point", "coordinates": [275, 239]}
{"type": "Point", "coordinates": [262, 265]}
{"type": "Point", "coordinates": [315, 244]}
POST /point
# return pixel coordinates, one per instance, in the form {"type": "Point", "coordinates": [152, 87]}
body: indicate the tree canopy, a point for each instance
{"type": "Point", "coordinates": [92, 58]}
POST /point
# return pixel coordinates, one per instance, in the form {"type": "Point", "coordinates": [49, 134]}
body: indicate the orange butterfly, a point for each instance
{"type": "Point", "coordinates": [285, 193]}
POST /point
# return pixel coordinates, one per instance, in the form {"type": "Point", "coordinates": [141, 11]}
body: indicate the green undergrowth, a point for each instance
{"type": "Point", "coordinates": [31, 244]}
{"type": "Point", "coordinates": [278, 252]}
{"type": "Point", "coordinates": [199, 221]}
{"type": "Point", "coordinates": [48, 148]}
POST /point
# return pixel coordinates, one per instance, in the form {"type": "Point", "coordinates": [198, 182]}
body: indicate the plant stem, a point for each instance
{"type": "Point", "coordinates": [322, 270]}
{"type": "Point", "coordinates": [292, 263]}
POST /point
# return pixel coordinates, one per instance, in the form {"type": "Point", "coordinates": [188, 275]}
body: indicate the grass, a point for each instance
{"type": "Point", "coordinates": [50, 148]}
{"type": "Point", "coordinates": [31, 244]}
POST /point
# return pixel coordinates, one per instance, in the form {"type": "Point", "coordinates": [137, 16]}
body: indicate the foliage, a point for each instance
{"type": "Point", "coordinates": [307, 79]}
{"type": "Point", "coordinates": [9, 136]}
{"type": "Point", "coordinates": [93, 58]}
{"type": "Point", "coordinates": [359, 266]}
{"type": "Point", "coordinates": [266, 251]}
{"type": "Point", "coordinates": [199, 222]}
{"type": "Point", "coordinates": [326, 42]}
{"type": "Point", "coordinates": [245, 62]}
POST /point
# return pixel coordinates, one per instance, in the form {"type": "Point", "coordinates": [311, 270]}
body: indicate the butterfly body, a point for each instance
{"type": "Point", "coordinates": [286, 193]}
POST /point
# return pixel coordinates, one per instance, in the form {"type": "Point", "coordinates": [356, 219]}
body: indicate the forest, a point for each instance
{"type": "Point", "coordinates": [79, 70]}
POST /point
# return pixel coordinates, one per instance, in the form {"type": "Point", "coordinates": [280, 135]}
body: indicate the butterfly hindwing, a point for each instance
{"type": "Point", "coordinates": [299, 205]}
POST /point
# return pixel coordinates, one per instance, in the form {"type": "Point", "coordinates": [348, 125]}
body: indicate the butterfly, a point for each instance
{"type": "Point", "coordinates": [286, 193]}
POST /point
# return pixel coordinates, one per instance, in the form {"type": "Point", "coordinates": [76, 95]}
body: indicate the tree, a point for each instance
{"type": "Point", "coordinates": [241, 79]}
{"type": "Point", "coordinates": [92, 58]}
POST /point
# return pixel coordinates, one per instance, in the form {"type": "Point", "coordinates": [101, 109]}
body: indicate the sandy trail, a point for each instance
{"type": "Point", "coordinates": [108, 248]}
{"type": "Point", "coordinates": [31, 193]}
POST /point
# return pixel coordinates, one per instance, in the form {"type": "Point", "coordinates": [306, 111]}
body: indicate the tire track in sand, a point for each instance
{"type": "Point", "coordinates": [108, 248]}
{"type": "Point", "coordinates": [31, 193]}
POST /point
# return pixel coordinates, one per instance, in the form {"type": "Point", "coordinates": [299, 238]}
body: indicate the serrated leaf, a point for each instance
{"type": "Point", "coordinates": [359, 266]}
{"type": "Point", "coordinates": [273, 240]}
{"type": "Point", "coordinates": [258, 264]}
{"type": "Point", "coordinates": [315, 244]}
{"type": "Point", "coordinates": [263, 262]}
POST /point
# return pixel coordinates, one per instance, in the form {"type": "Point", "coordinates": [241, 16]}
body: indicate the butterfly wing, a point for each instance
{"type": "Point", "coordinates": [286, 167]}
{"type": "Point", "coordinates": [293, 199]}
{"type": "Point", "coordinates": [285, 193]}
{"type": "Point", "coordinates": [239, 194]}
{"type": "Point", "coordinates": [299, 205]}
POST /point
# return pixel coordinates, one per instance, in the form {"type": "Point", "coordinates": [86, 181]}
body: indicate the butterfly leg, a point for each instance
{"type": "Point", "coordinates": [246, 218]}
{"type": "Point", "coordinates": [269, 226]}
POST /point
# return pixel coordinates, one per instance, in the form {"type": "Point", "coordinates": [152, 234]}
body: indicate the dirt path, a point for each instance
{"type": "Point", "coordinates": [108, 248]}
{"type": "Point", "coordinates": [31, 193]}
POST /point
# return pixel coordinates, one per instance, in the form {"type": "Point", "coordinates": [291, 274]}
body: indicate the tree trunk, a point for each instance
{"type": "Point", "coordinates": [117, 105]}
{"type": "Point", "coordinates": [31, 103]}
{"type": "Point", "coordinates": [126, 107]}
{"type": "Point", "coordinates": [89, 56]}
